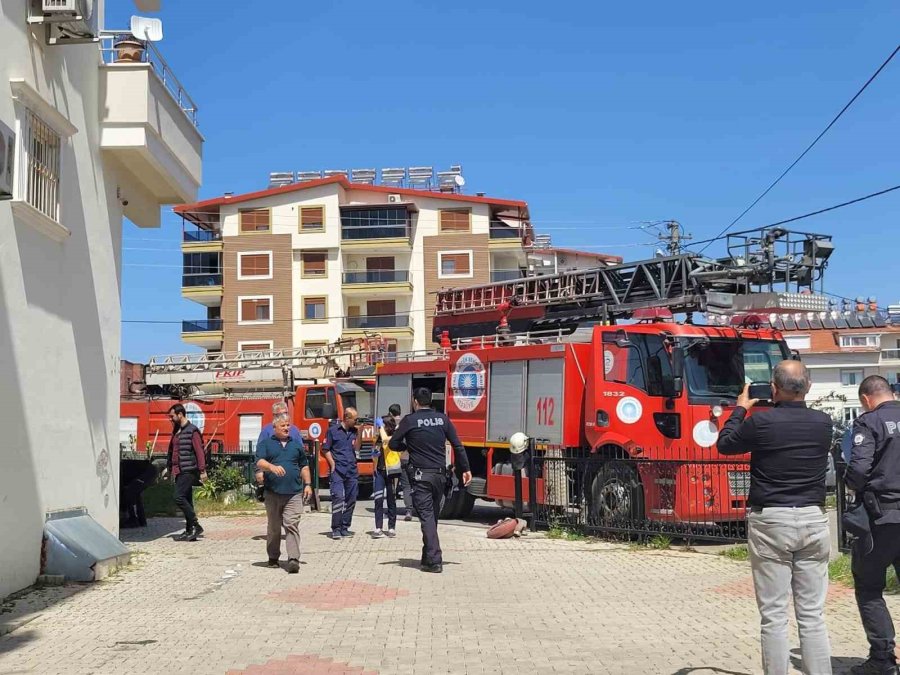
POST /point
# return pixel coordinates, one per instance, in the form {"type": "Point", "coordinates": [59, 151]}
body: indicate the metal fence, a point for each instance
{"type": "Point", "coordinates": [679, 493]}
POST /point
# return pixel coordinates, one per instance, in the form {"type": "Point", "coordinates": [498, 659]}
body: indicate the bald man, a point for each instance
{"type": "Point", "coordinates": [787, 527]}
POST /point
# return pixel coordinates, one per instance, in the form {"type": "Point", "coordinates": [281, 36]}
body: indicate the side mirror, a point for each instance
{"type": "Point", "coordinates": [795, 355]}
{"type": "Point", "coordinates": [328, 411]}
{"type": "Point", "coordinates": [677, 381]}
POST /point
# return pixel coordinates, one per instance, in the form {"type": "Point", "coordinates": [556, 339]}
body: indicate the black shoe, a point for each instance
{"type": "Point", "coordinates": [347, 533]}
{"type": "Point", "coordinates": [260, 493]}
{"type": "Point", "coordinates": [184, 535]}
{"type": "Point", "coordinates": [273, 562]}
{"type": "Point", "coordinates": [293, 566]}
{"type": "Point", "coordinates": [196, 533]}
{"type": "Point", "coordinates": [408, 516]}
{"type": "Point", "coordinates": [433, 569]}
{"type": "Point", "coordinates": [872, 667]}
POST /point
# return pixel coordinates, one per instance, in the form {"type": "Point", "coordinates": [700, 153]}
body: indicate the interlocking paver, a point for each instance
{"type": "Point", "coordinates": [362, 606]}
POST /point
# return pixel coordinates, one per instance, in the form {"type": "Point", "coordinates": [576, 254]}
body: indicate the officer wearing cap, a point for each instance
{"type": "Point", "coordinates": [874, 474]}
{"type": "Point", "coordinates": [424, 433]}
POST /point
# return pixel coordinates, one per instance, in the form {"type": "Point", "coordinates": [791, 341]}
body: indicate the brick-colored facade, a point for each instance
{"type": "Point", "coordinates": [461, 241]}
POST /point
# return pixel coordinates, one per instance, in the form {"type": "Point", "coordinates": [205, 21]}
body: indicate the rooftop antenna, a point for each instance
{"type": "Point", "coordinates": [146, 28]}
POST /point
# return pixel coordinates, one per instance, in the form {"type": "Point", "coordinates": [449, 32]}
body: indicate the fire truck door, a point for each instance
{"type": "Point", "coordinates": [544, 401]}
{"type": "Point", "coordinates": [393, 389]}
{"type": "Point", "coordinates": [506, 402]}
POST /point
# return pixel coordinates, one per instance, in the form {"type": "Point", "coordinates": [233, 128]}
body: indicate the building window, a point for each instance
{"type": "Point", "coordinates": [315, 344]}
{"type": "Point", "coordinates": [315, 309]}
{"type": "Point", "coordinates": [255, 220]}
{"type": "Point", "coordinates": [255, 265]}
{"type": "Point", "coordinates": [314, 264]}
{"type": "Point", "coordinates": [255, 309]}
{"type": "Point", "coordinates": [456, 220]}
{"type": "Point", "coordinates": [312, 218]}
{"type": "Point", "coordinates": [454, 264]}
{"type": "Point", "coordinates": [859, 340]}
{"type": "Point", "coordinates": [41, 149]}
{"type": "Point", "coordinates": [851, 378]}
{"type": "Point", "coordinates": [851, 413]}
{"type": "Point", "coordinates": [387, 222]}
{"type": "Point", "coordinates": [797, 341]}
{"type": "Point", "coordinates": [259, 345]}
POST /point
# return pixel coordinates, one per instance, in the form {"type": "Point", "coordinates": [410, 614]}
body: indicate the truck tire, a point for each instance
{"type": "Point", "coordinates": [452, 506]}
{"type": "Point", "coordinates": [468, 503]}
{"type": "Point", "coordinates": [615, 496]}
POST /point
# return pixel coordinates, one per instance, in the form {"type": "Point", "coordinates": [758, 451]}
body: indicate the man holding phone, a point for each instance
{"type": "Point", "coordinates": [788, 534]}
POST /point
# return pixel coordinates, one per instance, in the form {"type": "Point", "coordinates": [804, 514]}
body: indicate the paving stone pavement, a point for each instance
{"type": "Point", "coordinates": [529, 605]}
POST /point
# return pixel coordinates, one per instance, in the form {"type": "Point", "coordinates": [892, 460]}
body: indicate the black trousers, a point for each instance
{"type": "Point", "coordinates": [184, 495]}
{"type": "Point", "coordinates": [869, 573]}
{"type": "Point", "coordinates": [428, 498]}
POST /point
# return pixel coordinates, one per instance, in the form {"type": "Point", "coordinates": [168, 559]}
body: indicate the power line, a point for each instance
{"type": "Point", "coordinates": [809, 147]}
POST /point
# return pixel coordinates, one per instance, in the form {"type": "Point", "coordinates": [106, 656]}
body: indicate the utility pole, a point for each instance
{"type": "Point", "coordinates": [674, 238]}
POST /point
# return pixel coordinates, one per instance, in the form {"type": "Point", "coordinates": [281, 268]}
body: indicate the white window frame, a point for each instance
{"type": "Point", "coordinates": [241, 344]}
{"type": "Point", "coordinates": [245, 277]}
{"type": "Point", "coordinates": [255, 322]}
{"type": "Point", "coordinates": [850, 413]}
{"type": "Point", "coordinates": [859, 371]}
{"type": "Point", "coordinates": [871, 340]}
{"type": "Point", "coordinates": [32, 109]}
{"type": "Point", "coordinates": [440, 265]}
{"type": "Point", "coordinates": [807, 341]}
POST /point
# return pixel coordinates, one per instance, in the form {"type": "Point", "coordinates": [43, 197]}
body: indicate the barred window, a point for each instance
{"type": "Point", "coordinates": [41, 147]}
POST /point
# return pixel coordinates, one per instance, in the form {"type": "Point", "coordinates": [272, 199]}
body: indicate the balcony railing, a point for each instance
{"type": "Point", "coordinates": [376, 277]}
{"type": "Point", "coordinates": [195, 236]}
{"type": "Point", "coordinates": [364, 232]}
{"type": "Point", "coordinates": [505, 275]}
{"type": "Point", "coordinates": [204, 279]}
{"type": "Point", "coordinates": [385, 321]}
{"type": "Point", "coordinates": [201, 326]}
{"type": "Point", "coordinates": [149, 54]}
{"type": "Point", "coordinates": [890, 354]}
{"type": "Point", "coordinates": [501, 230]}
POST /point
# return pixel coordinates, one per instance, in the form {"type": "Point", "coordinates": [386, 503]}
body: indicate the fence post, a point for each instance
{"type": "Point", "coordinates": [532, 484]}
{"type": "Point", "coordinates": [314, 471]}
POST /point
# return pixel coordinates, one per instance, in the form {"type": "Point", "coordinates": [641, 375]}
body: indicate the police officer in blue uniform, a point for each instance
{"type": "Point", "coordinates": [424, 434]}
{"type": "Point", "coordinates": [874, 474]}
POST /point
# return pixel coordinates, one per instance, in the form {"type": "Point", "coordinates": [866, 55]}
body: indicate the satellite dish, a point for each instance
{"type": "Point", "coordinates": [459, 180]}
{"type": "Point", "coordinates": [145, 28]}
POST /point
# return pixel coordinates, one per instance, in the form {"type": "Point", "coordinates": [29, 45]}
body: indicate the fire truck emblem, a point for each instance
{"type": "Point", "coordinates": [195, 414]}
{"type": "Point", "coordinates": [467, 382]}
{"type": "Point", "coordinates": [705, 434]}
{"type": "Point", "coordinates": [629, 410]}
{"type": "Point", "coordinates": [608, 362]}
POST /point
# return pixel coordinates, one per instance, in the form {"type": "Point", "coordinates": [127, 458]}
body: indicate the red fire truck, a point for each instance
{"type": "Point", "coordinates": [651, 389]}
{"type": "Point", "coordinates": [229, 396]}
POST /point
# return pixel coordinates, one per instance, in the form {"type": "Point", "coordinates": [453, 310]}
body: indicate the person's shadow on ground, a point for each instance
{"type": "Point", "coordinates": [840, 665]}
{"type": "Point", "coordinates": [411, 563]}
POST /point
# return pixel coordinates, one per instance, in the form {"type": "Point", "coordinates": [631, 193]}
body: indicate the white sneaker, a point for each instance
{"type": "Point", "coordinates": [377, 534]}
{"type": "Point", "coordinates": [392, 532]}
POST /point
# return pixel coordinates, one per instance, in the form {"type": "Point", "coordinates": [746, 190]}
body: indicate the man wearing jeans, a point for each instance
{"type": "Point", "coordinates": [788, 532]}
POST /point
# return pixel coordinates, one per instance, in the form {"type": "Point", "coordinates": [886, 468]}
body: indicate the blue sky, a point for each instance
{"type": "Point", "coordinates": [599, 115]}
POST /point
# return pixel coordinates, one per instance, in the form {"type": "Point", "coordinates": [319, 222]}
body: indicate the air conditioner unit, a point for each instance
{"type": "Point", "coordinates": [7, 160]}
{"type": "Point", "coordinates": [68, 21]}
{"type": "Point", "coordinates": [395, 199]}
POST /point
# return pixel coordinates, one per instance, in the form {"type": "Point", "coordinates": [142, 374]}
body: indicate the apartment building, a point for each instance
{"type": "Point", "coordinates": [336, 256]}
{"type": "Point", "coordinates": [89, 133]}
{"type": "Point", "coordinates": [842, 349]}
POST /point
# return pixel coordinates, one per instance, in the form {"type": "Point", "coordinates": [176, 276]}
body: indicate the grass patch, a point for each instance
{"type": "Point", "coordinates": [736, 553]}
{"type": "Point", "coordinates": [159, 502]}
{"type": "Point", "coordinates": [557, 532]}
{"type": "Point", "coordinates": [839, 572]}
{"type": "Point", "coordinates": [658, 542]}
{"type": "Point", "coordinates": [831, 501]}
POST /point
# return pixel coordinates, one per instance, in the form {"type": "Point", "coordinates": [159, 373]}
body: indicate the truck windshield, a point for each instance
{"type": "Point", "coordinates": [359, 395]}
{"type": "Point", "coordinates": [722, 367]}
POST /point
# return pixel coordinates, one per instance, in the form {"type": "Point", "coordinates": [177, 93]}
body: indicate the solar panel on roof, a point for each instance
{"type": "Point", "coordinates": [866, 321]}
{"type": "Point", "coordinates": [815, 323]}
{"type": "Point", "coordinates": [840, 322]}
{"type": "Point", "coordinates": [853, 321]}
{"type": "Point", "coordinates": [879, 321]}
{"type": "Point", "coordinates": [803, 324]}
{"type": "Point", "coordinates": [828, 322]}
{"type": "Point", "coordinates": [789, 323]}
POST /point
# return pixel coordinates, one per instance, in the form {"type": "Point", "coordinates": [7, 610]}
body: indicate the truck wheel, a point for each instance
{"type": "Point", "coordinates": [452, 506]}
{"type": "Point", "coordinates": [468, 503]}
{"type": "Point", "coordinates": [616, 496]}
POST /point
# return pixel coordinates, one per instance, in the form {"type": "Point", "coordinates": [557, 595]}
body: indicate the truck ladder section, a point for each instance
{"type": "Point", "coordinates": [258, 365]}
{"type": "Point", "coordinates": [767, 270]}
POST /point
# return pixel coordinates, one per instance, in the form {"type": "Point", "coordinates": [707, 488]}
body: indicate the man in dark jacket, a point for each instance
{"type": "Point", "coordinates": [788, 534]}
{"type": "Point", "coordinates": [873, 472]}
{"type": "Point", "coordinates": [186, 463]}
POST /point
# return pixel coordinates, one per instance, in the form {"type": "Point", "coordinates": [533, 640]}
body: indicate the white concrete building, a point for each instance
{"type": "Point", "coordinates": [85, 141]}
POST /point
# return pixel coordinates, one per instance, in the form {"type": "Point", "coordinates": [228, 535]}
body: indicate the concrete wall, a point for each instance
{"type": "Point", "coordinates": [59, 317]}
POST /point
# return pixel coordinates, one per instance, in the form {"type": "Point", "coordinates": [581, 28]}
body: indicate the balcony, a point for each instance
{"type": "Point", "coordinates": [196, 239]}
{"type": "Point", "coordinates": [149, 125]}
{"type": "Point", "coordinates": [890, 354]}
{"type": "Point", "coordinates": [205, 288]}
{"type": "Point", "coordinates": [375, 281]}
{"type": "Point", "coordinates": [503, 235]}
{"type": "Point", "coordinates": [206, 333]}
{"type": "Point", "coordinates": [386, 324]}
{"type": "Point", "coordinates": [375, 226]}
{"type": "Point", "coordinates": [505, 275]}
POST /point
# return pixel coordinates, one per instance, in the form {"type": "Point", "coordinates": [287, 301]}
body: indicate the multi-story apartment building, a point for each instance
{"type": "Point", "coordinates": [89, 133]}
{"type": "Point", "coordinates": [310, 262]}
{"type": "Point", "coordinates": [842, 349]}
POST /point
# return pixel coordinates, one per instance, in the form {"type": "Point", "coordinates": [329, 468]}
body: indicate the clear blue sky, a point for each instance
{"type": "Point", "coordinates": [599, 115]}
